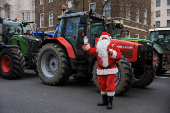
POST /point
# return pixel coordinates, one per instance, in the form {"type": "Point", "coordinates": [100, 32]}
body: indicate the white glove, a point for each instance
{"type": "Point", "coordinates": [110, 51]}
{"type": "Point", "coordinates": [85, 39]}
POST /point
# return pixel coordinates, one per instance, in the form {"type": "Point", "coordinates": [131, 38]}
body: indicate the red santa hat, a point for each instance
{"type": "Point", "coordinates": [106, 35]}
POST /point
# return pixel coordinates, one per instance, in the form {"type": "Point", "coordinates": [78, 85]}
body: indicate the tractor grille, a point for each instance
{"type": "Point", "coordinates": [127, 53]}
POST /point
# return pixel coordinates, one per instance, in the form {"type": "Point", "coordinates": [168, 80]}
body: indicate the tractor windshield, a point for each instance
{"type": "Point", "coordinates": [96, 30]}
{"type": "Point", "coordinates": [162, 38]}
{"type": "Point", "coordinates": [27, 29]}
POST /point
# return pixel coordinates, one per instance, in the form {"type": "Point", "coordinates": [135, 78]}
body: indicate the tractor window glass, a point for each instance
{"type": "Point", "coordinates": [60, 30]}
{"type": "Point", "coordinates": [162, 38]}
{"type": "Point", "coordinates": [27, 29]}
{"type": "Point", "coordinates": [116, 33]}
{"type": "Point", "coordinates": [71, 31]}
{"type": "Point", "coordinates": [96, 30]}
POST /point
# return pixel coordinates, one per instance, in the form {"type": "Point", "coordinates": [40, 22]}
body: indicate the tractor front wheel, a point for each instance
{"type": "Point", "coordinates": [12, 63]}
{"type": "Point", "coordinates": [53, 64]}
{"type": "Point", "coordinates": [144, 79]}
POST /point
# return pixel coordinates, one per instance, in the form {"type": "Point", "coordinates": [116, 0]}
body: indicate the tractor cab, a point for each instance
{"type": "Point", "coordinates": [74, 26]}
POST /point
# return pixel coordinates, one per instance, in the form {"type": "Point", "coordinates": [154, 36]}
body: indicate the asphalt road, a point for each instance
{"type": "Point", "coordinates": [30, 95]}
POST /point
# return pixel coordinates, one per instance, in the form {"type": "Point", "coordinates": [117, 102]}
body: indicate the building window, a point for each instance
{"type": "Point", "coordinates": [136, 35]}
{"type": "Point", "coordinates": [107, 9]}
{"type": "Point", "coordinates": [50, 0]}
{"type": "Point", "coordinates": [158, 13]}
{"type": "Point", "coordinates": [168, 23]}
{"type": "Point", "coordinates": [51, 18]}
{"type": "Point", "coordinates": [92, 6]}
{"type": "Point", "coordinates": [168, 12]}
{"type": "Point", "coordinates": [28, 15]}
{"type": "Point", "coordinates": [8, 13]}
{"type": "Point", "coordinates": [144, 37]}
{"type": "Point", "coordinates": [137, 15]}
{"type": "Point", "coordinates": [145, 17]}
{"type": "Point", "coordinates": [42, 20]}
{"type": "Point", "coordinates": [127, 34]}
{"type": "Point", "coordinates": [128, 11]}
{"type": "Point", "coordinates": [22, 16]}
{"type": "Point", "coordinates": [168, 2]}
{"type": "Point", "coordinates": [70, 5]}
{"type": "Point", "coordinates": [158, 3]}
{"type": "Point", "coordinates": [41, 2]}
{"type": "Point", "coordinates": [157, 23]}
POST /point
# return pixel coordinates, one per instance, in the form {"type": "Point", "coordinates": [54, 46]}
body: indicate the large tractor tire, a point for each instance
{"type": "Point", "coordinates": [144, 79]}
{"type": "Point", "coordinates": [12, 63]}
{"type": "Point", "coordinates": [53, 64]}
{"type": "Point", "coordinates": [123, 79]}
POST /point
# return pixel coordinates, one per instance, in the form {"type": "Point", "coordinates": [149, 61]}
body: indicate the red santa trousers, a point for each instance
{"type": "Point", "coordinates": [107, 82]}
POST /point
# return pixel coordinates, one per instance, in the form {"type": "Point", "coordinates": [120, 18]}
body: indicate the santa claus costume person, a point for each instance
{"type": "Point", "coordinates": [107, 54]}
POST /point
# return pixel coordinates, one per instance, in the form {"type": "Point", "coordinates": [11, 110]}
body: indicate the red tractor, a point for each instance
{"type": "Point", "coordinates": [63, 56]}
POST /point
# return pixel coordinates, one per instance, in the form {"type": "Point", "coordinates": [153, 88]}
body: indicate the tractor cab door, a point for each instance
{"type": "Point", "coordinates": [72, 31]}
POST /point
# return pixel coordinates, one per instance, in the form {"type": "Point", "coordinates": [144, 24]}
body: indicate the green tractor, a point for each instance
{"type": "Point", "coordinates": [63, 56]}
{"type": "Point", "coordinates": [161, 39]}
{"type": "Point", "coordinates": [18, 33]}
{"type": "Point", "coordinates": [12, 60]}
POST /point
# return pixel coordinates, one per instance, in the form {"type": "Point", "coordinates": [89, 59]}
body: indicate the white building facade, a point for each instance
{"type": "Point", "coordinates": [22, 10]}
{"type": "Point", "coordinates": [160, 13]}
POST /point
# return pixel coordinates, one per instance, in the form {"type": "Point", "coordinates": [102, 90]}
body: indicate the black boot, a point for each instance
{"type": "Point", "coordinates": [104, 102]}
{"type": "Point", "coordinates": [109, 105]}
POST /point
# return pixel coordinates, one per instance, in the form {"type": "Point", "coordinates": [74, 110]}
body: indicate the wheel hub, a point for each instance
{"type": "Point", "coordinates": [6, 63]}
{"type": "Point", "coordinates": [49, 64]}
{"type": "Point", "coordinates": [53, 64]}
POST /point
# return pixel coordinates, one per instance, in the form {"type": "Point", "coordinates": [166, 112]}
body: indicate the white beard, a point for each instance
{"type": "Point", "coordinates": [102, 47]}
{"type": "Point", "coordinates": [102, 50]}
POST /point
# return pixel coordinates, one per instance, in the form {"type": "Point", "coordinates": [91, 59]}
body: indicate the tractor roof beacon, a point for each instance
{"type": "Point", "coordinates": [62, 57]}
{"type": "Point", "coordinates": [12, 60]}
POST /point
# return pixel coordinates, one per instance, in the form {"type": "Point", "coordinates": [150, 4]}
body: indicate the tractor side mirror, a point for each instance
{"type": "Point", "coordinates": [83, 19]}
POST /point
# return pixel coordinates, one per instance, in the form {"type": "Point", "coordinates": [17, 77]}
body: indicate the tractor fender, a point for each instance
{"type": "Point", "coordinates": [158, 49]}
{"type": "Point", "coordinates": [2, 45]}
{"type": "Point", "coordinates": [63, 43]}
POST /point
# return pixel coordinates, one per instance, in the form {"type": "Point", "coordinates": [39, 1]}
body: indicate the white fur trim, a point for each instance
{"type": "Point", "coordinates": [103, 92]}
{"type": "Point", "coordinates": [107, 71]}
{"type": "Point", "coordinates": [87, 47]}
{"type": "Point", "coordinates": [105, 61]}
{"type": "Point", "coordinates": [110, 93]}
{"type": "Point", "coordinates": [105, 36]}
{"type": "Point", "coordinates": [114, 54]}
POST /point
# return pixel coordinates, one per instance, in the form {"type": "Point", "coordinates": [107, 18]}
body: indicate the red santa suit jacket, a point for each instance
{"type": "Point", "coordinates": [105, 61]}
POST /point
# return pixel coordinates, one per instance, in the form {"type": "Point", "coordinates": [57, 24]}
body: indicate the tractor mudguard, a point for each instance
{"type": "Point", "coordinates": [8, 46]}
{"type": "Point", "coordinates": [62, 41]}
{"type": "Point", "coordinates": [157, 48]}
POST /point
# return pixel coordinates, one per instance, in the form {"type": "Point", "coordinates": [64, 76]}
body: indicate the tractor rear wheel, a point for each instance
{"type": "Point", "coordinates": [144, 79]}
{"type": "Point", "coordinates": [123, 79]}
{"type": "Point", "coordinates": [12, 63]}
{"type": "Point", "coordinates": [53, 64]}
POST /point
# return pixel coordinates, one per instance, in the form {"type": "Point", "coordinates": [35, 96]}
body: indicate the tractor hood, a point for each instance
{"type": "Point", "coordinates": [137, 40]}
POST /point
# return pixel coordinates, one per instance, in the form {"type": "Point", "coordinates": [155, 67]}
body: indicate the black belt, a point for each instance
{"type": "Point", "coordinates": [112, 64]}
